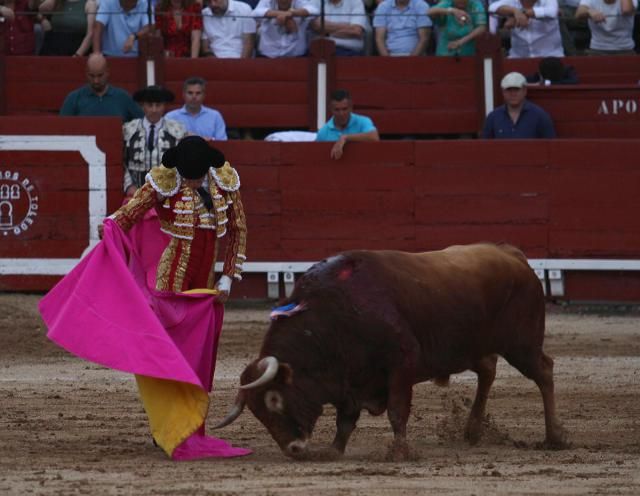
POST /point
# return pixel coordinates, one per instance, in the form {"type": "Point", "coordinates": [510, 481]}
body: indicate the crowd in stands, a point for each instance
{"type": "Point", "coordinates": [284, 28]}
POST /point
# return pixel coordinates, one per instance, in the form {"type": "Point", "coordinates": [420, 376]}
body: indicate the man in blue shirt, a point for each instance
{"type": "Point", "coordinates": [98, 97]}
{"type": "Point", "coordinates": [198, 119]}
{"type": "Point", "coordinates": [402, 27]}
{"type": "Point", "coordinates": [119, 24]}
{"type": "Point", "coordinates": [345, 125]}
{"type": "Point", "coordinates": [517, 118]}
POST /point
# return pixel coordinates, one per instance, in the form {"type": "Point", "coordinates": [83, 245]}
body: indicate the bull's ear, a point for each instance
{"type": "Point", "coordinates": [285, 374]}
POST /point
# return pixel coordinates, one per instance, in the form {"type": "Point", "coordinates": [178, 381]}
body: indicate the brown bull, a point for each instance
{"type": "Point", "coordinates": [370, 324]}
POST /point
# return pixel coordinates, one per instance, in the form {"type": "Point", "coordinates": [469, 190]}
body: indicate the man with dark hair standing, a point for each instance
{"type": "Point", "coordinates": [518, 118]}
{"type": "Point", "coordinates": [199, 120]}
{"type": "Point", "coordinates": [345, 125]}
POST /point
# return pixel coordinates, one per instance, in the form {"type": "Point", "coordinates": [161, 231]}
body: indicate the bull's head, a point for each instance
{"type": "Point", "coordinates": [268, 389]}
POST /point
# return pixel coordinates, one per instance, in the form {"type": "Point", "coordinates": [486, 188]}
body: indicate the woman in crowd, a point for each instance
{"type": "Point", "coordinates": [180, 22]}
{"type": "Point", "coordinates": [459, 23]}
{"type": "Point", "coordinates": [71, 26]}
{"type": "Point", "coordinates": [17, 21]}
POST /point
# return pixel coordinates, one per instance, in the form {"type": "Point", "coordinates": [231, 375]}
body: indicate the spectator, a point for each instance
{"type": "Point", "coordinates": [574, 32]}
{"type": "Point", "coordinates": [459, 23]}
{"type": "Point", "coordinates": [17, 21]}
{"type": "Point", "coordinates": [345, 23]}
{"type": "Point", "coordinates": [118, 26]}
{"type": "Point", "coordinates": [282, 27]}
{"type": "Point", "coordinates": [229, 30]}
{"type": "Point", "coordinates": [535, 31]}
{"type": "Point", "coordinates": [517, 118]}
{"type": "Point", "coordinates": [146, 139]}
{"type": "Point", "coordinates": [180, 23]}
{"type": "Point", "coordinates": [195, 117]}
{"type": "Point", "coordinates": [402, 27]}
{"type": "Point", "coordinates": [552, 71]}
{"type": "Point", "coordinates": [98, 97]}
{"type": "Point", "coordinates": [611, 25]}
{"type": "Point", "coordinates": [72, 25]}
{"type": "Point", "coordinates": [345, 125]}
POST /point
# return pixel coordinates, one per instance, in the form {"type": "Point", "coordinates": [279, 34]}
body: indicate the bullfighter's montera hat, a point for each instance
{"type": "Point", "coordinates": [193, 156]}
{"type": "Point", "coordinates": [153, 94]}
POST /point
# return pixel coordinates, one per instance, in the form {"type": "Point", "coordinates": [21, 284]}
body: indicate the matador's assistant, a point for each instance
{"type": "Point", "coordinates": [110, 310]}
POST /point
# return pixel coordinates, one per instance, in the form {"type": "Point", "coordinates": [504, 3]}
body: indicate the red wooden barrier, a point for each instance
{"type": "Point", "coordinates": [554, 199]}
{"type": "Point", "coordinates": [420, 95]}
{"type": "Point", "coordinates": [249, 93]}
{"type": "Point", "coordinates": [36, 85]}
{"type": "Point", "coordinates": [591, 70]}
{"type": "Point", "coordinates": [591, 111]}
{"type": "Point", "coordinates": [49, 216]}
{"type": "Point", "coordinates": [415, 95]}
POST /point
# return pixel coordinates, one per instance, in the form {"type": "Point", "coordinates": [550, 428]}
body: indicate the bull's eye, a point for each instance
{"type": "Point", "coordinates": [274, 401]}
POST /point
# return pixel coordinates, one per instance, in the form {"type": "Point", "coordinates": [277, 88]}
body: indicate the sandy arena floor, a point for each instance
{"type": "Point", "coordinates": [71, 427]}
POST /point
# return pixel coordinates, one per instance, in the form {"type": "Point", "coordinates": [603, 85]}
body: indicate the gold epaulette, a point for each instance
{"type": "Point", "coordinates": [226, 177]}
{"type": "Point", "coordinates": [164, 180]}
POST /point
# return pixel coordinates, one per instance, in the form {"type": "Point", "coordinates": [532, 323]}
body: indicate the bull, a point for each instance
{"type": "Point", "coordinates": [368, 325]}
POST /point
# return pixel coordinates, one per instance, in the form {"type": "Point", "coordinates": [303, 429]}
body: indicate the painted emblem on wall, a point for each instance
{"type": "Point", "coordinates": [18, 203]}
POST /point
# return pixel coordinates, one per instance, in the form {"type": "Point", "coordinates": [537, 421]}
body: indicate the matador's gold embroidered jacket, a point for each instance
{"type": "Point", "coordinates": [181, 212]}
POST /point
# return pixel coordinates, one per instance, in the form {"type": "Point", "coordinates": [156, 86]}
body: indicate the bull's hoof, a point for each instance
{"type": "Point", "coordinates": [473, 432]}
{"type": "Point", "coordinates": [398, 452]}
{"type": "Point", "coordinates": [557, 443]}
{"type": "Point", "coordinates": [558, 439]}
{"type": "Point", "coordinates": [326, 455]}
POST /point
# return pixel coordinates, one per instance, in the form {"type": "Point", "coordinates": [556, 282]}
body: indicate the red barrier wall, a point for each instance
{"type": "Point", "coordinates": [404, 96]}
{"type": "Point", "coordinates": [249, 93]}
{"type": "Point", "coordinates": [623, 69]}
{"type": "Point", "coordinates": [35, 85]}
{"type": "Point", "coordinates": [591, 111]}
{"type": "Point", "coordinates": [554, 199]}
{"type": "Point", "coordinates": [419, 96]}
{"type": "Point", "coordinates": [60, 227]}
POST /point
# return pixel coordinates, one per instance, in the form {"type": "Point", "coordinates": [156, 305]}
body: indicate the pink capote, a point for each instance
{"type": "Point", "coordinates": [105, 311]}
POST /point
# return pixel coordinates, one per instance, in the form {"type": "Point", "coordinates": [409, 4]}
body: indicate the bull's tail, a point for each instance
{"type": "Point", "coordinates": [441, 381]}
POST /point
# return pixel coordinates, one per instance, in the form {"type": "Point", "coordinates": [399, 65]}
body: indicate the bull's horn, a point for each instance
{"type": "Point", "coordinates": [235, 412]}
{"type": "Point", "coordinates": [270, 366]}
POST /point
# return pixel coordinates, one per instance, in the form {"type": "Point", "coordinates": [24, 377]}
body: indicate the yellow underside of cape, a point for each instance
{"type": "Point", "coordinates": [202, 291]}
{"type": "Point", "coordinates": [175, 409]}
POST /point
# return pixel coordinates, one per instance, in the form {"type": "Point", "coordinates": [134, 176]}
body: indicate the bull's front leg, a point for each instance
{"type": "Point", "coordinates": [345, 424]}
{"type": "Point", "coordinates": [398, 407]}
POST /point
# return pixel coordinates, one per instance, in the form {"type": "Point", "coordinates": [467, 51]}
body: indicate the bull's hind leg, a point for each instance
{"type": "Point", "coordinates": [398, 407]}
{"type": "Point", "coordinates": [538, 367]}
{"type": "Point", "coordinates": [486, 370]}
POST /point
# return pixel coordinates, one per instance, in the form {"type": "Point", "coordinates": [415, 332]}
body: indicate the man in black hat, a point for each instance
{"type": "Point", "coordinates": [146, 139]}
{"type": "Point", "coordinates": [196, 195]}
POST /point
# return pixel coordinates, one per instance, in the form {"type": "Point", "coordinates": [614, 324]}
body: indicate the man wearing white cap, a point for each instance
{"type": "Point", "coordinates": [518, 118]}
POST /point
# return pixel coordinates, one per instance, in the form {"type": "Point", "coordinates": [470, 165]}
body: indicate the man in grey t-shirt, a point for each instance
{"type": "Point", "coordinates": [611, 25]}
